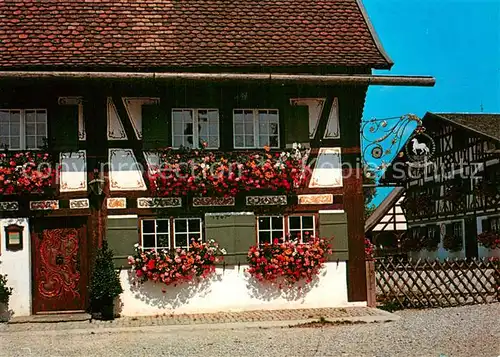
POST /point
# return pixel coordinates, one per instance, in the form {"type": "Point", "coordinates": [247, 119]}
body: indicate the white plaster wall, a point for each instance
{"type": "Point", "coordinates": [233, 290]}
{"type": "Point", "coordinates": [17, 265]}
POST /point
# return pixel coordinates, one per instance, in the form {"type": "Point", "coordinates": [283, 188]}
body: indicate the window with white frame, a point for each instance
{"type": "Point", "coordinates": [23, 129]}
{"type": "Point", "coordinates": [195, 128]}
{"type": "Point", "coordinates": [301, 227]}
{"type": "Point", "coordinates": [155, 234]}
{"type": "Point", "coordinates": [270, 228]}
{"type": "Point", "coordinates": [186, 229]}
{"type": "Point", "coordinates": [457, 229]}
{"type": "Point", "coordinates": [255, 128]}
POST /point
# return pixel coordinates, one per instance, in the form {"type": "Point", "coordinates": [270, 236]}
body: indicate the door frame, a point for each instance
{"type": "Point", "coordinates": [84, 251]}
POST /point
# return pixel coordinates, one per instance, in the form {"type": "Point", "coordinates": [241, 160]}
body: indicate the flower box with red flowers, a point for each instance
{"type": "Point", "coordinates": [490, 240]}
{"type": "Point", "coordinates": [211, 173]}
{"type": "Point", "coordinates": [26, 172]}
{"type": "Point", "coordinates": [176, 266]}
{"type": "Point", "coordinates": [288, 262]}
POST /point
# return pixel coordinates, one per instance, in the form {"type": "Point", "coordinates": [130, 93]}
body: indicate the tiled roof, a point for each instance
{"type": "Point", "coordinates": [486, 124]}
{"type": "Point", "coordinates": [169, 34]}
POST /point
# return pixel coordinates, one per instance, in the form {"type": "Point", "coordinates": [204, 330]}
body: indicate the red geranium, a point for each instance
{"type": "Point", "coordinates": [289, 261]}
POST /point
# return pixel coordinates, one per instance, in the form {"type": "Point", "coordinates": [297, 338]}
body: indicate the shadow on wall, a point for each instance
{"type": "Point", "coordinates": [161, 296]}
{"type": "Point", "coordinates": [271, 291]}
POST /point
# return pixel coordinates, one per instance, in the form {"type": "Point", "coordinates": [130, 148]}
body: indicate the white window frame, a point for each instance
{"type": "Point", "coordinates": [196, 134]}
{"type": "Point", "coordinates": [22, 129]}
{"type": "Point", "coordinates": [200, 232]}
{"type": "Point", "coordinates": [270, 230]}
{"type": "Point", "coordinates": [156, 233]}
{"type": "Point", "coordinates": [256, 126]}
{"type": "Point", "coordinates": [302, 229]}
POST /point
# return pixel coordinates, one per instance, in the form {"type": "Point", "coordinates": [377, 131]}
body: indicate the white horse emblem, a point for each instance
{"type": "Point", "coordinates": [422, 147]}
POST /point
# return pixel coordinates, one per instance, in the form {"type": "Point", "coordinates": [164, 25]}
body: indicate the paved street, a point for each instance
{"type": "Point", "coordinates": [465, 331]}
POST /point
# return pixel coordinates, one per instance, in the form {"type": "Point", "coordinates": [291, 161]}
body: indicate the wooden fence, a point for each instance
{"type": "Point", "coordinates": [432, 283]}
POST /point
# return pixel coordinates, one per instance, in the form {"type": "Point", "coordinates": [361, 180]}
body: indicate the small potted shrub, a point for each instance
{"type": "Point", "coordinates": [105, 285]}
{"type": "Point", "coordinates": [5, 293]}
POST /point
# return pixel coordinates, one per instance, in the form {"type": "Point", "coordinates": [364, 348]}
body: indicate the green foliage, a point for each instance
{"type": "Point", "coordinates": [105, 285]}
{"type": "Point", "coordinates": [5, 291]}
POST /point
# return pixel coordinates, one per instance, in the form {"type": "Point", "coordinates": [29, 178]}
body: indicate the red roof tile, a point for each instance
{"type": "Point", "coordinates": [155, 34]}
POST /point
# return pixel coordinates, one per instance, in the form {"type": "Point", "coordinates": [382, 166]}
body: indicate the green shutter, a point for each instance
{"type": "Point", "coordinates": [335, 225]}
{"type": "Point", "coordinates": [155, 129]}
{"type": "Point", "coordinates": [122, 234]}
{"type": "Point", "coordinates": [234, 232]}
{"type": "Point", "coordinates": [296, 123]}
{"type": "Point", "coordinates": [63, 126]}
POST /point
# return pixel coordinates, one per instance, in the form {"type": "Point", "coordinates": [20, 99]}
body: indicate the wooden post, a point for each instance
{"type": "Point", "coordinates": [371, 284]}
{"type": "Point", "coordinates": [354, 207]}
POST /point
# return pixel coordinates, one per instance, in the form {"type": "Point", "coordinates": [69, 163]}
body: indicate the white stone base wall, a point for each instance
{"type": "Point", "coordinates": [488, 253]}
{"type": "Point", "coordinates": [230, 291]}
{"type": "Point", "coordinates": [17, 266]}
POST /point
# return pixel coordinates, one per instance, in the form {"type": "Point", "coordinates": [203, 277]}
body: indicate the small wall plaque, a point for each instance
{"type": "Point", "coordinates": [14, 237]}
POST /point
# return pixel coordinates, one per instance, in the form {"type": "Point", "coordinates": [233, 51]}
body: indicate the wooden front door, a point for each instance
{"type": "Point", "coordinates": [60, 265]}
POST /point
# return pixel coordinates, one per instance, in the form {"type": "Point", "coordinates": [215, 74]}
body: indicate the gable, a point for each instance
{"type": "Point", "coordinates": [168, 34]}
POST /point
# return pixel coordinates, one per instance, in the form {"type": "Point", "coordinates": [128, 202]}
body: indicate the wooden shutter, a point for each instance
{"type": "Point", "coordinates": [63, 128]}
{"type": "Point", "coordinates": [122, 234]}
{"type": "Point", "coordinates": [235, 233]}
{"type": "Point", "coordinates": [335, 225]}
{"type": "Point", "coordinates": [155, 128]}
{"type": "Point", "coordinates": [296, 123]}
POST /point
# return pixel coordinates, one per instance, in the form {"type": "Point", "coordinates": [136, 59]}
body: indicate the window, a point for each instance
{"type": "Point", "coordinates": [155, 233]}
{"type": "Point", "coordinates": [270, 228]}
{"type": "Point", "coordinates": [195, 128]}
{"type": "Point", "coordinates": [457, 229]}
{"type": "Point", "coordinates": [256, 128]}
{"type": "Point", "coordinates": [302, 227]}
{"type": "Point", "coordinates": [167, 233]}
{"type": "Point", "coordinates": [186, 229]}
{"type": "Point", "coordinates": [491, 224]}
{"type": "Point", "coordinates": [23, 129]}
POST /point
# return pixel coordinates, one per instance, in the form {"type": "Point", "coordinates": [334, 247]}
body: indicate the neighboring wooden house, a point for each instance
{"type": "Point", "coordinates": [102, 86]}
{"type": "Point", "coordinates": [456, 195]}
{"type": "Point", "coordinates": [386, 226]}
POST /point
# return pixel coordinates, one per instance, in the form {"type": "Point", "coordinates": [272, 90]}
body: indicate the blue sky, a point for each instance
{"type": "Point", "coordinates": [456, 41]}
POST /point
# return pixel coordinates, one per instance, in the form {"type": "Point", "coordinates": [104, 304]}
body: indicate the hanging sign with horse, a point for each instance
{"type": "Point", "coordinates": [420, 148]}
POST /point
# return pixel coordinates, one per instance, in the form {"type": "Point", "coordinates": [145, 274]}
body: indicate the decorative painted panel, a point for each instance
{"type": "Point", "coordinates": [79, 203]}
{"type": "Point", "coordinates": [150, 202]}
{"type": "Point", "coordinates": [9, 206]}
{"type": "Point", "coordinates": [213, 201]}
{"type": "Point", "coordinates": [116, 131]}
{"type": "Point", "coordinates": [116, 203]}
{"type": "Point", "coordinates": [332, 127]}
{"type": "Point", "coordinates": [125, 173]}
{"type": "Point", "coordinates": [327, 170]}
{"type": "Point", "coordinates": [315, 110]}
{"type": "Point", "coordinates": [46, 205]}
{"type": "Point", "coordinates": [73, 174]}
{"type": "Point", "coordinates": [266, 200]}
{"type": "Point", "coordinates": [134, 111]}
{"type": "Point", "coordinates": [315, 199]}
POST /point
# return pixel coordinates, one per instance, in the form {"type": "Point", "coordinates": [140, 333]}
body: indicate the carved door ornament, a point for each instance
{"type": "Point", "coordinates": [14, 237]}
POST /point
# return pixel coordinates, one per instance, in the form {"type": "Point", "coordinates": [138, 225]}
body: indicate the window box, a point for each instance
{"type": "Point", "coordinates": [26, 172]}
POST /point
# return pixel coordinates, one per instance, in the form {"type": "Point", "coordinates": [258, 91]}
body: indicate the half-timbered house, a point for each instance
{"type": "Point", "coordinates": [102, 90]}
{"type": "Point", "coordinates": [454, 196]}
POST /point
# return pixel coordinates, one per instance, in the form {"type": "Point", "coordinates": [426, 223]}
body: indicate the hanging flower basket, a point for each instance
{"type": "Point", "coordinates": [176, 266]}
{"type": "Point", "coordinates": [26, 172]}
{"type": "Point", "coordinates": [288, 262]}
{"type": "Point", "coordinates": [209, 173]}
{"type": "Point", "coordinates": [490, 240]}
